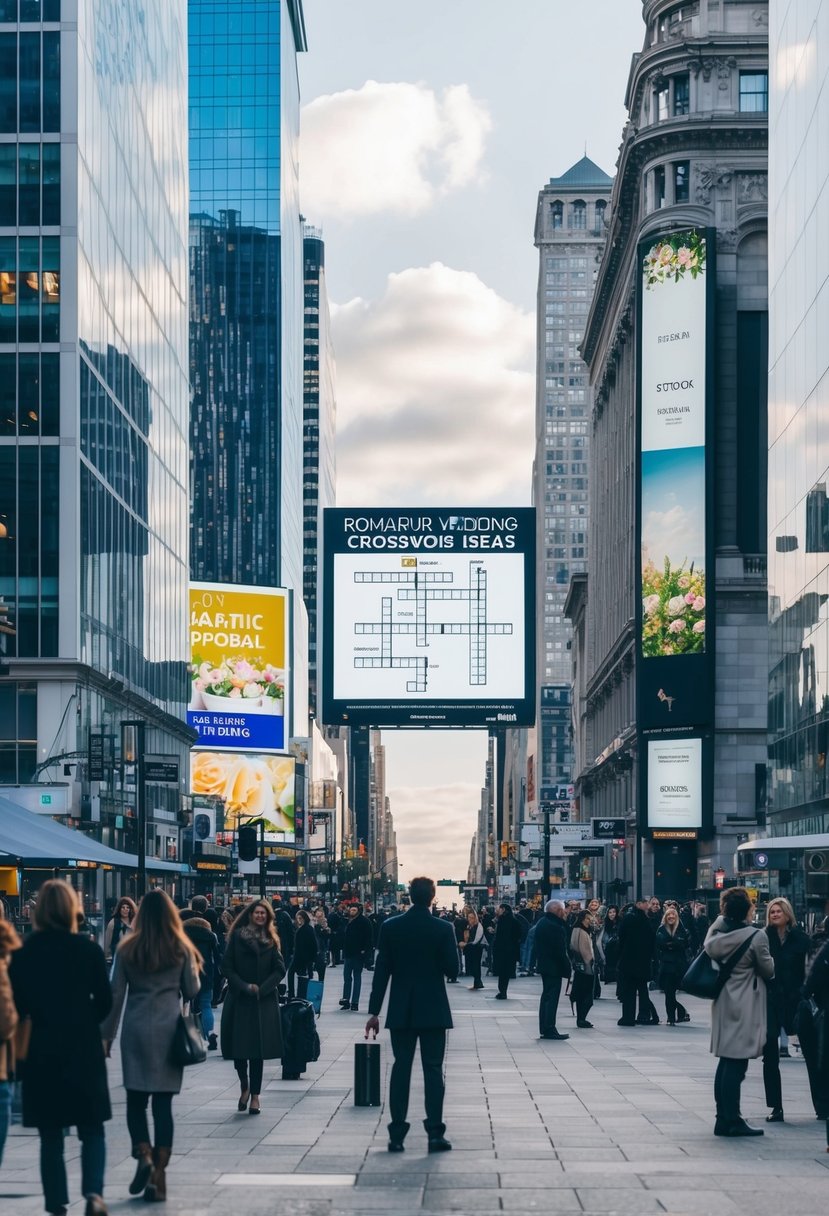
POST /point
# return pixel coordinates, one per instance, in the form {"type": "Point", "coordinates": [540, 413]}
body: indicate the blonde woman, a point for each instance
{"type": "Point", "coordinates": [60, 981]}
{"type": "Point", "coordinates": [473, 948]}
{"type": "Point", "coordinates": [673, 947]}
{"type": "Point", "coordinates": [155, 967]}
{"type": "Point", "coordinates": [788, 946]}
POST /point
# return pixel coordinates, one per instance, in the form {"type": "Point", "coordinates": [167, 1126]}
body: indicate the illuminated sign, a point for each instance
{"type": "Point", "coordinates": [429, 617]}
{"type": "Point", "coordinates": [240, 679]}
{"type": "Point", "coordinates": [674, 785]}
{"type": "Point", "coordinates": [250, 786]}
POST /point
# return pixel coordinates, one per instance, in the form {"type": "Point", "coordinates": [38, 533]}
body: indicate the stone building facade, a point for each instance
{"type": "Point", "coordinates": [693, 156]}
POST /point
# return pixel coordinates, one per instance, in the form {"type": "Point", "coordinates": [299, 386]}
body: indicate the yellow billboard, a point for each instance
{"type": "Point", "coordinates": [239, 666]}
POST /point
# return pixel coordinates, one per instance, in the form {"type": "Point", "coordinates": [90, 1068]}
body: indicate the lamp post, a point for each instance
{"type": "Point", "coordinates": [132, 752]}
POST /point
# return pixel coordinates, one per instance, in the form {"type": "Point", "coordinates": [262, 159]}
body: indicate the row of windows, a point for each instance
{"type": "Point", "coordinates": [559, 262]}
{"type": "Point", "coordinates": [29, 289]}
{"type": "Point", "coordinates": [560, 411]}
{"type": "Point", "coordinates": [30, 82]}
{"type": "Point", "coordinates": [577, 215]}
{"type": "Point", "coordinates": [678, 176]}
{"type": "Point", "coordinates": [29, 514]}
{"type": "Point", "coordinates": [30, 394]}
{"type": "Point", "coordinates": [29, 185]}
{"type": "Point", "coordinates": [29, 10]}
{"type": "Point", "coordinates": [672, 97]}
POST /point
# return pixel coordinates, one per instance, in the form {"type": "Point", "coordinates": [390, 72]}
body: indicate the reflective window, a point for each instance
{"type": "Point", "coordinates": [682, 181]}
{"type": "Point", "coordinates": [29, 515]}
{"type": "Point", "coordinates": [754, 92]}
{"type": "Point", "coordinates": [8, 82]}
{"type": "Point", "coordinates": [682, 93]}
{"type": "Point", "coordinates": [8, 184]}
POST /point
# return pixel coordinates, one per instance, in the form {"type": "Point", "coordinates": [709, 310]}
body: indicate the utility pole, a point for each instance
{"type": "Point", "coordinates": [262, 866]}
{"type": "Point", "coordinates": [545, 881]}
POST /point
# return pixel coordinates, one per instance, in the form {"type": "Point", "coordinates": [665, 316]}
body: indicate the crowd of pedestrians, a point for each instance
{"type": "Point", "coordinates": [256, 962]}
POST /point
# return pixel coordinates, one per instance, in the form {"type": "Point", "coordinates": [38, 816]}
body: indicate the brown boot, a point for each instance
{"type": "Point", "coordinates": [143, 1154]}
{"type": "Point", "coordinates": [156, 1191]}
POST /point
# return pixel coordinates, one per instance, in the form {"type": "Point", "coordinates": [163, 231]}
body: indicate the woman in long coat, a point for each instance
{"type": "Point", "coordinates": [506, 949]}
{"type": "Point", "coordinates": [251, 1027]}
{"type": "Point", "coordinates": [788, 946]}
{"type": "Point", "coordinates": [156, 966]}
{"type": "Point", "coordinates": [738, 1015]}
{"type": "Point", "coordinates": [584, 962]}
{"type": "Point", "coordinates": [673, 947]}
{"type": "Point", "coordinates": [60, 981]}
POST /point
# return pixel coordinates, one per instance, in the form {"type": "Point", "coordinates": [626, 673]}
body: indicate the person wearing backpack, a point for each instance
{"type": "Point", "coordinates": [738, 1015]}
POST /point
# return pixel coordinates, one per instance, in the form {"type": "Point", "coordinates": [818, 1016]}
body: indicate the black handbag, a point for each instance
{"type": "Point", "coordinates": [706, 978]}
{"type": "Point", "coordinates": [188, 1046]}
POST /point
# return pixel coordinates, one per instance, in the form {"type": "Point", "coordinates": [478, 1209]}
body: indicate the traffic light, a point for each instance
{"type": "Point", "coordinates": [248, 843]}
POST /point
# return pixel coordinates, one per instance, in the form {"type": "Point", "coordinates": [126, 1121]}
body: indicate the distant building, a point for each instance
{"type": "Point", "coordinates": [569, 235]}
{"type": "Point", "coordinates": [693, 157]}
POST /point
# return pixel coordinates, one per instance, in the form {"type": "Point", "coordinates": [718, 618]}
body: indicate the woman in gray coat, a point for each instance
{"type": "Point", "coordinates": [251, 1026]}
{"type": "Point", "coordinates": [738, 1015]}
{"type": "Point", "coordinates": [155, 967]}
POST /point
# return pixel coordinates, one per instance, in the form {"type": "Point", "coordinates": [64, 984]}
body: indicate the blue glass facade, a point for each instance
{"type": "Point", "coordinates": [246, 284]}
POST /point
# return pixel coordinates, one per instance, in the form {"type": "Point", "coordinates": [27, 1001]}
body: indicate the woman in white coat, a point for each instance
{"type": "Point", "coordinates": [738, 1015]}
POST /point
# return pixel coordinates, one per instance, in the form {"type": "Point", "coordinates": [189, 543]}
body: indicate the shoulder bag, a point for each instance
{"type": "Point", "coordinates": [706, 978]}
{"type": "Point", "coordinates": [188, 1046]}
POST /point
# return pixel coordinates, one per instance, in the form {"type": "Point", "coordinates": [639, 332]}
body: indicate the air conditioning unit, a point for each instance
{"type": "Point", "coordinates": [817, 862]}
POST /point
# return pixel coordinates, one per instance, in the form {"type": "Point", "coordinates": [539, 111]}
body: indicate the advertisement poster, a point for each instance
{"type": "Point", "coordinates": [673, 468]}
{"type": "Point", "coordinates": [250, 786]}
{"type": "Point", "coordinates": [674, 783]}
{"type": "Point", "coordinates": [239, 666]}
{"type": "Point", "coordinates": [430, 616]}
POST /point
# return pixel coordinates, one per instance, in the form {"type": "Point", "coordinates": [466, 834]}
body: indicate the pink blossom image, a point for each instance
{"type": "Point", "coordinates": [690, 597]}
{"type": "Point", "coordinates": [676, 627]}
{"type": "Point", "coordinates": [650, 604]}
{"type": "Point", "coordinates": [676, 604]}
{"type": "Point", "coordinates": [683, 256]}
{"type": "Point", "coordinates": [699, 603]}
{"type": "Point", "coordinates": [235, 692]}
{"type": "Point", "coordinates": [699, 627]}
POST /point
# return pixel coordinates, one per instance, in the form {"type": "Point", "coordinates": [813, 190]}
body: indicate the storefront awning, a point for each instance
{"type": "Point", "coordinates": [30, 840]}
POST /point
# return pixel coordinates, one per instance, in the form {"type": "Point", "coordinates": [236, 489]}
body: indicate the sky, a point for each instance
{"type": "Point", "coordinates": [427, 131]}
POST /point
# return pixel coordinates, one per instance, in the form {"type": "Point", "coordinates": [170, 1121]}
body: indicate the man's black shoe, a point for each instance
{"type": "Point", "coordinates": [554, 1034]}
{"type": "Point", "coordinates": [439, 1145]}
{"type": "Point", "coordinates": [212, 1043]}
{"type": "Point", "coordinates": [583, 1024]}
{"type": "Point", "coordinates": [776, 1115]}
{"type": "Point", "coordinates": [740, 1128]}
{"type": "Point", "coordinates": [500, 996]}
{"type": "Point", "coordinates": [355, 1007]}
{"type": "Point", "coordinates": [345, 1004]}
{"type": "Point", "coordinates": [622, 1022]}
{"type": "Point", "coordinates": [396, 1146]}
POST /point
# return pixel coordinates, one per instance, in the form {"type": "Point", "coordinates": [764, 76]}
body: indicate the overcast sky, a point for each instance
{"type": "Point", "coordinates": [427, 131]}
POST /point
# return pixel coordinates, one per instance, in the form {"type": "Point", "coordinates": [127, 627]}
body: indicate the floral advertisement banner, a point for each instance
{"type": "Point", "coordinates": [673, 466]}
{"type": "Point", "coordinates": [239, 666]}
{"type": "Point", "coordinates": [250, 786]}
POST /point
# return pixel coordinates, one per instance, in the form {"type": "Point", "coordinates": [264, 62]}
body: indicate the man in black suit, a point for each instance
{"type": "Point", "coordinates": [636, 947]}
{"type": "Point", "coordinates": [553, 965]}
{"type": "Point", "coordinates": [417, 952]}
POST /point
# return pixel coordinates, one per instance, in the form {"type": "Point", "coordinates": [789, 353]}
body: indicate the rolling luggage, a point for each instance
{"type": "Point", "coordinates": [367, 1074]}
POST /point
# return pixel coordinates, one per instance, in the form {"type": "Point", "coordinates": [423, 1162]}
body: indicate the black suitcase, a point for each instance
{"type": "Point", "coordinates": [367, 1074]}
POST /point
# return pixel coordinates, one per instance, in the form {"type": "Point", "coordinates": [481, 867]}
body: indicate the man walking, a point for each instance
{"type": "Point", "coordinates": [417, 953]}
{"type": "Point", "coordinates": [506, 948]}
{"type": "Point", "coordinates": [636, 947]}
{"type": "Point", "coordinates": [357, 943]}
{"type": "Point", "coordinates": [553, 965]}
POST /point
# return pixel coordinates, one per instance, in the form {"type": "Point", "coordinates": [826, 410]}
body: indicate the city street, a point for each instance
{"type": "Point", "coordinates": [611, 1121]}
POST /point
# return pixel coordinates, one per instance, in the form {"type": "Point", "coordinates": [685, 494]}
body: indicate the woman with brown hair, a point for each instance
{"type": "Point", "coordinates": [123, 918]}
{"type": "Point", "coordinates": [9, 941]}
{"type": "Point", "coordinates": [156, 967]}
{"type": "Point", "coordinates": [582, 958]}
{"type": "Point", "coordinates": [59, 980]}
{"type": "Point", "coordinates": [251, 1027]}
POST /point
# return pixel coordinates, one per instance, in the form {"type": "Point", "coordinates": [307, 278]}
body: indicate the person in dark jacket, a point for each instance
{"type": "Point", "coordinates": [357, 942]}
{"type": "Point", "coordinates": [636, 942]}
{"type": "Point", "coordinates": [417, 954]}
{"type": "Point", "coordinates": [788, 946]}
{"type": "Point", "coordinates": [815, 1051]}
{"type": "Point", "coordinates": [200, 933]}
{"type": "Point", "coordinates": [673, 947]}
{"type": "Point", "coordinates": [609, 942]}
{"type": "Point", "coordinates": [251, 1029]}
{"type": "Point", "coordinates": [60, 981]}
{"type": "Point", "coordinates": [285, 930]}
{"type": "Point", "coordinates": [305, 954]}
{"type": "Point", "coordinates": [322, 932]}
{"type": "Point", "coordinates": [506, 948]}
{"type": "Point", "coordinates": [553, 965]}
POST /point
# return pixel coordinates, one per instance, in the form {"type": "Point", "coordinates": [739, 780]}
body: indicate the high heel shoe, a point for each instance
{"type": "Point", "coordinates": [255, 1110]}
{"type": "Point", "coordinates": [244, 1098]}
{"type": "Point", "coordinates": [776, 1115]}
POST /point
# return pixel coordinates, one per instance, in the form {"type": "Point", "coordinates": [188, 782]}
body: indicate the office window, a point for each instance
{"type": "Point", "coordinates": [682, 181]}
{"type": "Point", "coordinates": [8, 184]}
{"type": "Point", "coordinates": [29, 184]}
{"type": "Point", "coordinates": [30, 82]}
{"type": "Point", "coordinates": [682, 93]}
{"type": "Point", "coordinates": [51, 184]}
{"type": "Point", "coordinates": [8, 82]}
{"type": "Point", "coordinates": [754, 92]}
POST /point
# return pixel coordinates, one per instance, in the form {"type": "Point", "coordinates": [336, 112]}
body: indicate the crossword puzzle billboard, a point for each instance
{"type": "Point", "coordinates": [429, 617]}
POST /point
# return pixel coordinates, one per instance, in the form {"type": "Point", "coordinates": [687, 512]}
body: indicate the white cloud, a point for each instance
{"type": "Point", "coordinates": [392, 147]}
{"type": "Point", "coordinates": [676, 533]}
{"type": "Point", "coordinates": [435, 393]}
{"type": "Point", "coordinates": [434, 827]}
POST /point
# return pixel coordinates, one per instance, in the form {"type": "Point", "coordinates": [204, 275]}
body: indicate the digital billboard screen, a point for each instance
{"type": "Point", "coordinates": [675, 784]}
{"type": "Point", "coordinates": [240, 685]}
{"type": "Point", "coordinates": [249, 786]}
{"type": "Point", "coordinates": [429, 616]}
{"type": "Point", "coordinates": [674, 492]}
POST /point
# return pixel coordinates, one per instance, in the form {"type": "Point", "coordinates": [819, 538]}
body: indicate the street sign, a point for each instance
{"type": "Point", "coordinates": [161, 770]}
{"type": "Point", "coordinates": [585, 850]}
{"type": "Point", "coordinates": [609, 829]}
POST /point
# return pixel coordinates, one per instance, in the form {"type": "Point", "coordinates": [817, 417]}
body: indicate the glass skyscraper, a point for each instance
{"type": "Point", "coordinates": [94, 390]}
{"type": "Point", "coordinates": [246, 292]}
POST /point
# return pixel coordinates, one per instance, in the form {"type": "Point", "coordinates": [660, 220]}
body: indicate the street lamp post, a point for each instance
{"type": "Point", "coordinates": [132, 752]}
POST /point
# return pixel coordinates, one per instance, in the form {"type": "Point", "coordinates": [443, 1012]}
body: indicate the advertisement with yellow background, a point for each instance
{"type": "Point", "coordinates": [240, 685]}
{"type": "Point", "coordinates": [252, 786]}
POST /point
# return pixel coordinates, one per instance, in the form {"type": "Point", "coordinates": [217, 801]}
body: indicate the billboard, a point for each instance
{"type": "Point", "coordinates": [674, 784]}
{"type": "Point", "coordinates": [249, 786]}
{"type": "Point", "coordinates": [675, 483]}
{"type": "Point", "coordinates": [240, 679]}
{"type": "Point", "coordinates": [429, 617]}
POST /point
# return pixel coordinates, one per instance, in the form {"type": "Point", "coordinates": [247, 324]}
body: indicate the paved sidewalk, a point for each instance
{"type": "Point", "coordinates": [612, 1121]}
